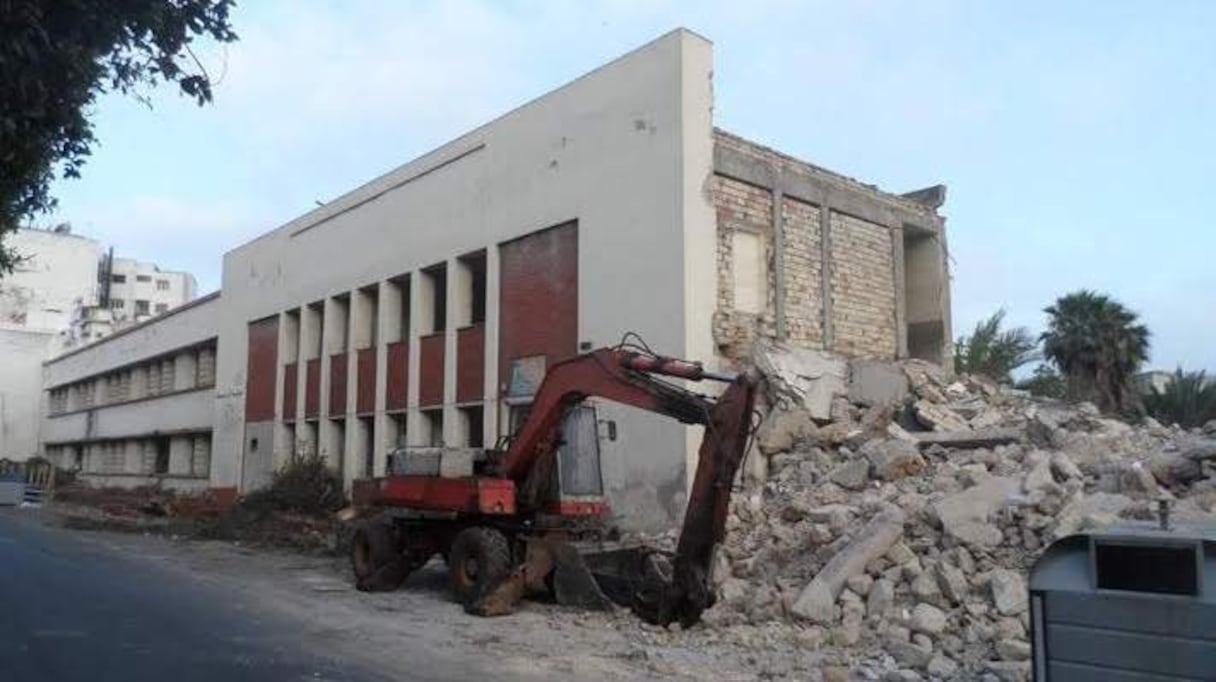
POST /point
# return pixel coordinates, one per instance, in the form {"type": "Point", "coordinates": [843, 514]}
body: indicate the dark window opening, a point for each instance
{"type": "Point", "coordinates": [434, 421]}
{"type": "Point", "coordinates": [437, 275]}
{"type": "Point", "coordinates": [118, 279]}
{"type": "Point", "coordinates": [162, 456]}
{"type": "Point", "coordinates": [476, 266]}
{"type": "Point", "coordinates": [474, 419]}
{"type": "Point", "coordinates": [142, 307]}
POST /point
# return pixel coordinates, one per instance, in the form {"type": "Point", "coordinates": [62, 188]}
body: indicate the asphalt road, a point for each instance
{"type": "Point", "coordinates": [74, 609]}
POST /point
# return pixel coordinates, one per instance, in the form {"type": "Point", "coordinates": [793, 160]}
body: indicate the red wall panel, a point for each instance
{"type": "Point", "coordinates": [312, 388]}
{"type": "Point", "coordinates": [430, 370]}
{"type": "Point", "coordinates": [290, 375]}
{"type": "Point", "coordinates": [263, 363]}
{"type": "Point", "coordinates": [470, 363]}
{"type": "Point", "coordinates": [337, 385]}
{"type": "Point", "coordinates": [538, 297]}
{"type": "Point", "coordinates": [365, 386]}
{"type": "Point", "coordinates": [396, 391]}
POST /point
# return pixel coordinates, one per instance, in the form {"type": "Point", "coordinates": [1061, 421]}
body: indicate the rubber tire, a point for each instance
{"type": "Point", "coordinates": [374, 549]}
{"type": "Point", "coordinates": [488, 550]}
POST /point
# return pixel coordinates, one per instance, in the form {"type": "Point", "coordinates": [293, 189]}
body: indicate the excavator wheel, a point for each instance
{"type": "Point", "coordinates": [376, 558]}
{"type": "Point", "coordinates": [479, 562]}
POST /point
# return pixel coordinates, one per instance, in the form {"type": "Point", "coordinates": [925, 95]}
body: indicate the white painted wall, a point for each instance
{"type": "Point", "coordinates": [625, 150]}
{"type": "Point", "coordinates": [58, 275]}
{"type": "Point", "coordinates": [21, 356]}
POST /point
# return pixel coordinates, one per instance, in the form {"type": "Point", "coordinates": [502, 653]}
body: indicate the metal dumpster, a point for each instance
{"type": "Point", "coordinates": [1133, 603]}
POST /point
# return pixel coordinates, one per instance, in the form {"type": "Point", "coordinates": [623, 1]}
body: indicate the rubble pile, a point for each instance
{"type": "Point", "coordinates": [899, 510]}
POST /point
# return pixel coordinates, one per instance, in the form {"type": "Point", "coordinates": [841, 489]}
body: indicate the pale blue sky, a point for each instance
{"type": "Point", "coordinates": [1077, 138]}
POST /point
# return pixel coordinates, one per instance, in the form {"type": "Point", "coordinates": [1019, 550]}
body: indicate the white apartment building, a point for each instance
{"type": "Point", "coordinates": [57, 277]}
{"type": "Point", "coordinates": [137, 290]}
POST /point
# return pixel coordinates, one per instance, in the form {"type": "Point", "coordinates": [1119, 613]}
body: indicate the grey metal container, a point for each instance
{"type": "Point", "coordinates": [1133, 603]}
{"type": "Point", "coordinates": [11, 492]}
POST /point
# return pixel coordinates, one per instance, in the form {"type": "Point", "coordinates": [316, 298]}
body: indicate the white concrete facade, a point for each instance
{"type": "Point", "coordinates": [137, 407]}
{"type": "Point", "coordinates": [623, 151]}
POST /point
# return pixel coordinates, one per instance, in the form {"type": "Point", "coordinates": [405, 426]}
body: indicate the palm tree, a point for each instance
{"type": "Point", "coordinates": [1098, 345]}
{"type": "Point", "coordinates": [994, 352]}
{"type": "Point", "coordinates": [1188, 399]}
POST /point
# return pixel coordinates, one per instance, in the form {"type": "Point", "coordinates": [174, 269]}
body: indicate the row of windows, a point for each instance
{"type": "Point", "coordinates": [188, 455]}
{"type": "Point", "coordinates": [141, 307]}
{"type": "Point", "coordinates": [183, 371]}
{"type": "Point", "coordinates": [161, 284]}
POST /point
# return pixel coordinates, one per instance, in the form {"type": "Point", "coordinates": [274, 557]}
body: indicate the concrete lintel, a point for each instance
{"type": "Point", "coordinates": [804, 187]}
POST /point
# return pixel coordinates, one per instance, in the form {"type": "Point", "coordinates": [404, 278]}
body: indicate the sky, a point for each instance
{"type": "Point", "coordinates": [1077, 139]}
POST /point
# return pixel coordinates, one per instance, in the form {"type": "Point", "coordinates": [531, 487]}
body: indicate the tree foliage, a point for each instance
{"type": "Point", "coordinates": [1188, 399]}
{"type": "Point", "coordinates": [1046, 382]}
{"type": "Point", "coordinates": [994, 352]}
{"type": "Point", "coordinates": [58, 56]}
{"type": "Point", "coordinates": [1098, 345]}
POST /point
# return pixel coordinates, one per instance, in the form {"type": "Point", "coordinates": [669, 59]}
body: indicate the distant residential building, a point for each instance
{"type": "Point", "coordinates": [1152, 380]}
{"type": "Point", "coordinates": [136, 291]}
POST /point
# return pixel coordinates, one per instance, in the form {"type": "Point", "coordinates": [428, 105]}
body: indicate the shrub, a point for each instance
{"type": "Point", "coordinates": [304, 485]}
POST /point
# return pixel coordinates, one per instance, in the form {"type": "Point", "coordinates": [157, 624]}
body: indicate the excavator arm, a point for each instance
{"type": "Point", "coordinates": [678, 588]}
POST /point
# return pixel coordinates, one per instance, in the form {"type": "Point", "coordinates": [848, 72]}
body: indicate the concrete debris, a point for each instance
{"type": "Point", "coordinates": [903, 508]}
{"type": "Point", "coordinates": [816, 603]}
{"type": "Point", "coordinates": [808, 379]}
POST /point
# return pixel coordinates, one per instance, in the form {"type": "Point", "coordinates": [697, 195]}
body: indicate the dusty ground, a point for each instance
{"type": "Point", "coordinates": [541, 641]}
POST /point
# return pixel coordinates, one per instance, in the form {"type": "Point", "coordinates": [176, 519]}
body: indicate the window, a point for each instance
{"type": "Point", "coordinates": [142, 307]}
{"type": "Point", "coordinates": [200, 456]}
{"type": "Point", "coordinates": [162, 285]}
{"type": "Point", "coordinates": [143, 278]}
{"type": "Point", "coordinates": [117, 304]}
{"type": "Point", "coordinates": [161, 307]}
{"type": "Point", "coordinates": [750, 276]}
{"type": "Point", "coordinates": [118, 279]}
{"type": "Point", "coordinates": [204, 368]}
{"type": "Point", "coordinates": [162, 456]}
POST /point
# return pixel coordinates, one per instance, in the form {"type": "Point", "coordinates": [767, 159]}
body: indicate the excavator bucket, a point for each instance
{"type": "Point", "coordinates": [573, 584]}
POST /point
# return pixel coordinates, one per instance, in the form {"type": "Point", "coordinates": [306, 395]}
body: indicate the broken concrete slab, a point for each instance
{"type": "Point", "coordinates": [964, 515]}
{"type": "Point", "coordinates": [852, 475]}
{"type": "Point", "coordinates": [817, 601]}
{"type": "Point", "coordinates": [893, 459]}
{"type": "Point", "coordinates": [783, 429]}
{"type": "Point", "coordinates": [965, 439]}
{"type": "Point", "coordinates": [808, 378]}
{"type": "Point", "coordinates": [1008, 591]}
{"type": "Point", "coordinates": [938, 417]}
{"type": "Point", "coordinates": [876, 382]}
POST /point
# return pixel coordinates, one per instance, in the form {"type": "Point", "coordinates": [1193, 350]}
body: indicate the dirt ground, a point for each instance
{"type": "Point", "coordinates": [540, 641]}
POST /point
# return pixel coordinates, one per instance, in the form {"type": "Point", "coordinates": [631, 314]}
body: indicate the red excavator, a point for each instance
{"type": "Point", "coordinates": [531, 515]}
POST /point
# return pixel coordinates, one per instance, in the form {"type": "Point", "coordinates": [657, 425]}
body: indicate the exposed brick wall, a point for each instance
{"type": "Point", "coordinates": [803, 278]}
{"type": "Point", "coordinates": [740, 207]}
{"type": "Point", "coordinates": [861, 266]}
{"type": "Point", "coordinates": [863, 288]}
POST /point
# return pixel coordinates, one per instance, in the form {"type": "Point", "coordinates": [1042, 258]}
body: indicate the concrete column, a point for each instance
{"type": "Point", "coordinates": [457, 301]}
{"type": "Point", "coordinates": [420, 319]}
{"type": "Point", "coordinates": [388, 316]}
{"type": "Point", "coordinates": [326, 429]}
{"type": "Point", "coordinates": [309, 334]}
{"type": "Point", "coordinates": [825, 274]}
{"type": "Point", "coordinates": [493, 293]}
{"type": "Point", "coordinates": [901, 293]}
{"type": "Point", "coordinates": [286, 346]}
{"type": "Point", "coordinates": [358, 310]}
